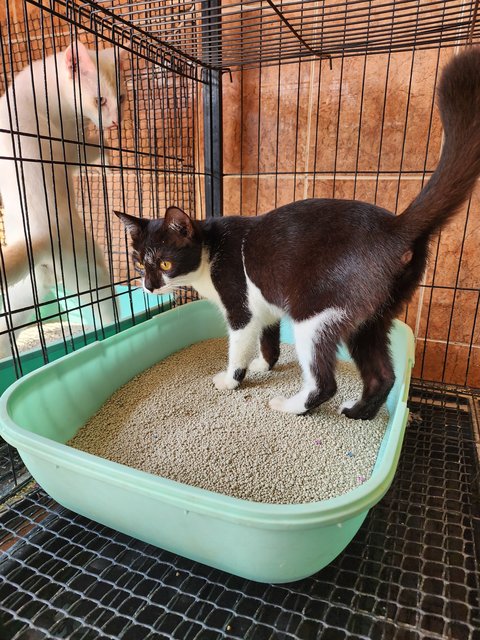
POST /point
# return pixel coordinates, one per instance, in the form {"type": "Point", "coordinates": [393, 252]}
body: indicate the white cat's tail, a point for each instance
{"type": "Point", "coordinates": [14, 263]}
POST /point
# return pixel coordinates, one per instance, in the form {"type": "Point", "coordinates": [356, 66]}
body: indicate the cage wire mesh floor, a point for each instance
{"type": "Point", "coordinates": [12, 469]}
{"type": "Point", "coordinates": [412, 571]}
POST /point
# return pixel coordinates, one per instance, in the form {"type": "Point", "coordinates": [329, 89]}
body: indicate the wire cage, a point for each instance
{"type": "Point", "coordinates": [237, 108]}
{"type": "Point", "coordinates": [145, 163]}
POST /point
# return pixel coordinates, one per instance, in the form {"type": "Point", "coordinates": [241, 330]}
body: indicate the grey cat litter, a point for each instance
{"type": "Point", "coordinates": [171, 421]}
{"type": "Point", "coordinates": [52, 332]}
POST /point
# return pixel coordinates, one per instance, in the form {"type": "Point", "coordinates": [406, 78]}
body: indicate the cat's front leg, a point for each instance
{"type": "Point", "coordinates": [93, 151]}
{"type": "Point", "coordinates": [242, 345]}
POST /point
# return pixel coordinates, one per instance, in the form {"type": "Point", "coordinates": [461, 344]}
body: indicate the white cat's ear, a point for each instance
{"type": "Point", "coordinates": [122, 57]}
{"type": "Point", "coordinates": [114, 55]}
{"type": "Point", "coordinates": [132, 224]}
{"type": "Point", "coordinates": [123, 54]}
{"type": "Point", "coordinates": [77, 60]}
{"type": "Point", "coordinates": [179, 221]}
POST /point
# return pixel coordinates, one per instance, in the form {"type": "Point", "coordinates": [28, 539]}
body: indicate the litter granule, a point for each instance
{"type": "Point", "coordinates": [171, 421]}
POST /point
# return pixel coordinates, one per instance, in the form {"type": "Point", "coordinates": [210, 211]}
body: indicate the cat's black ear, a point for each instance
{"type": "Point", "coordinates": [179, 221]}
{"type": "Point", "coordinates": [132, 224]}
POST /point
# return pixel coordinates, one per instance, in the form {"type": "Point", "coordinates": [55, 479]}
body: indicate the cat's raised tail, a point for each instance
{"type": "Point", "coordinates": [459, 164]}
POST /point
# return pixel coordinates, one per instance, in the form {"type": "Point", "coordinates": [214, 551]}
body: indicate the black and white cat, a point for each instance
{"type": "Point", "coordinates": [341, 269]}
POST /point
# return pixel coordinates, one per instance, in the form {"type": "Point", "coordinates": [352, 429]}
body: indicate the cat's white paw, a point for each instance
{"type": "Point", "coordinates": [348, 404]}
{"type": "Point", "coordinates": [287, 405]}
{"type": "Point", "coordinates": [223, 381]}
{"type": "Point", "coordinates": [259, 365]}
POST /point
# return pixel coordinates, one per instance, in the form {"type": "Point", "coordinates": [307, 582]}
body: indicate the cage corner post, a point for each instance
{"type": "Point", "coordinates": [212, 110]}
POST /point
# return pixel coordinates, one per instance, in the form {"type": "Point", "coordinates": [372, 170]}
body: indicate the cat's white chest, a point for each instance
{"type": "Point", "coordinates": [202, 282]}
{"type": "Point", "coordinates": [206, 288]}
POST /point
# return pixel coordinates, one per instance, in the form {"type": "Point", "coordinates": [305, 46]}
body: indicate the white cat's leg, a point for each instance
{"type": "Point", "coordinates": [315, 342]}
{"type": "Point", "coordinates": [108, 305]}
{"type": "Point", "coordinates": [86, 273]}
{"type": "Point", "coordinates": [87, 151]}
{"type": "Point", "coordinates": [242, 345]}
{"type": "Point", "coordinates": [93, 153]}
{"type": "Point", "coordinates": [19, 307]}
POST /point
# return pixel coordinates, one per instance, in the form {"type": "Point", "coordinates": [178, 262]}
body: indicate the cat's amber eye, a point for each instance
{"type": "Point", "coordinates": [165, 265]}
{"type": "Point", "coordinates": [140, 266]}
{"type": "Point", "coordinates": [100, 101]}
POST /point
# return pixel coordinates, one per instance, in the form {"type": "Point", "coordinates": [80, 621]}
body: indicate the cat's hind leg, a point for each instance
{"type": "Point", "coordinates": [269, 349]}
{"type": "Point", "coordinates": [369, 347]}
{"type": "Point", "coordinates": [242, 345]}
{"type": "Point", "coordinates": [316, 342]}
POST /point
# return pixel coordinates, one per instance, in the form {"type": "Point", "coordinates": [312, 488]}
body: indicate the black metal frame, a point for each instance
{"type": "Point", "coordinates": [412, 572]}
{"type": "Point", "coordinates": [146, 155]}
{"type": "Point", "coordinates": [213, 141]}
{"type": "Point", "coordinates": [212, 119]}
{"type": "Point", "coordinates": [263, 31]}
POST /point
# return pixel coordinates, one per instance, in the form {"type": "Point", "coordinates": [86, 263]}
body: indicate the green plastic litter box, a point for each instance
{"type": "Point", "coordinates": [263, 542]}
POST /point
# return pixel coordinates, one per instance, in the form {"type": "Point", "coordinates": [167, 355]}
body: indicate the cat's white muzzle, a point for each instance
{"type": "Point", "coordinates": [168, 288]}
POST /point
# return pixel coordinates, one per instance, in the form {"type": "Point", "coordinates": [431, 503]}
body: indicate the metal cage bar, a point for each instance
{"type": "Point", "coordinates": [212, 119]}
{"type": "Point", "coordinates": [262, 31]}
{"type": "Point", "coordinates": [130, 171]}
{"type": "Point", "coordinates": [322, 99]}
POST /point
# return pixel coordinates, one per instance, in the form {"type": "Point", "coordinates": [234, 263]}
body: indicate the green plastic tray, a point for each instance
{"type": "Point", "coordinates": [268, 543]}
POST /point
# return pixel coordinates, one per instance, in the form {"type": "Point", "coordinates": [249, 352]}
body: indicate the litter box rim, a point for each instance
{"type": "Point", "coordinates": [203, 501]}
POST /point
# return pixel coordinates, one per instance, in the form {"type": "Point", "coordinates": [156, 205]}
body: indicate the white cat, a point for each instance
{"type": "Point", "coordinates": [43, 120]}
